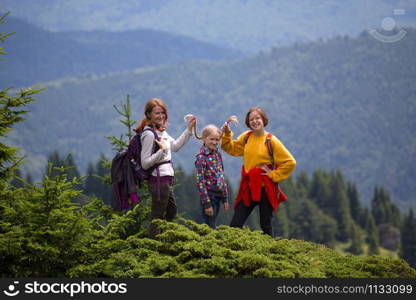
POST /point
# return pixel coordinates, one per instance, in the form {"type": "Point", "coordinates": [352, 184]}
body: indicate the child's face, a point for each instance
{"type": "Point", "coordinates": [255, 120]}
{"type": "Point", "coordinates": [212, 140]}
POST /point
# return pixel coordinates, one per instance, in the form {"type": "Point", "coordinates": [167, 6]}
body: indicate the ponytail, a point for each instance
{"type": "Point", "coordinates": [142, 124]}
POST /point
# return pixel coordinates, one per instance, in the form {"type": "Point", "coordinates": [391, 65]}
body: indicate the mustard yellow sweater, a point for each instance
{"type": "Point", "coordinates": [255, 154]}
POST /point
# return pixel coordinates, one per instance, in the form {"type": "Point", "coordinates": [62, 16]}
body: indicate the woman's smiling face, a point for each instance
{"type": "Point", "coordinates": [158, 116]}
{"type": "Point", "coordinates": [256, 121]}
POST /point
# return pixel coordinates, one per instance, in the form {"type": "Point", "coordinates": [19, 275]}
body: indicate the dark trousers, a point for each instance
{"type": "Point", "coordinates": [242, 212]}
{"type": "Point", "coordinates": [163, 205]}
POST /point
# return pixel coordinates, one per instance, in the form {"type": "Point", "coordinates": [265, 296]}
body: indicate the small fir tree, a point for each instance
{"type": "Point", "coordinates": [408, 241]}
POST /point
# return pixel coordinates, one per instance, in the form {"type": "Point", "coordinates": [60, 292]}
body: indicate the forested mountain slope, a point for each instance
{"type": "Point", "coordinates": [344, 103]}
{"type": "Point", "coordinates": [36, 55]}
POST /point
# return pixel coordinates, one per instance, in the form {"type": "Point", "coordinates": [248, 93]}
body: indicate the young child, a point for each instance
{"type": "Point", "coordinates": [210, 179]}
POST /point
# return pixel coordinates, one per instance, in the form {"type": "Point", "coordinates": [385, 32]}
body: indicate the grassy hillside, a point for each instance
{"type": "Point", "coordinates": [345, 103]}
{"type": "Point", "coordinates": [36, 55]}
{"type": "Point", "coordinates": [197, 251]}
{"type": "Point", "coordinates": [240, 24]}
{"type": "Point", "coordinates": [54, 237]}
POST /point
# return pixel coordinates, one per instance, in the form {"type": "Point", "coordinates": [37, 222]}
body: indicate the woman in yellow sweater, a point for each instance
{"type": "Point", "coordinates": [266, 161]}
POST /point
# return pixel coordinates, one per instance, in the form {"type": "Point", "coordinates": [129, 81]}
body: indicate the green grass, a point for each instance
{"type": "Point", "coordinates": [193, 250]}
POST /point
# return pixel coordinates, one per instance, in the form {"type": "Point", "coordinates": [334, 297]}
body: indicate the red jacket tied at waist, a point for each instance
{"type": "Point", "coordinates": [251, 185]}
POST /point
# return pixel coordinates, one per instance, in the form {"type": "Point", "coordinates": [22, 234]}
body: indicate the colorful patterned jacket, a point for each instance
{"type": "Point", "coordinates": [210, 176]}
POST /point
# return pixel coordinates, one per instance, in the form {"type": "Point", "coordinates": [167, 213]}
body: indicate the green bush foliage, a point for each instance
{"type": "Point", "coordinates": [187, 249]}
{"type": "Point", "coordinates": [43, 233]}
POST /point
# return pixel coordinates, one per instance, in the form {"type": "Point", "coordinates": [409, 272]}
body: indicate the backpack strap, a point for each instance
{"type": "Point", "coordinates": [156, 137]}
{"type": "Point", "coordinates": [156, 166]}
{"type": "Point", "coordinates": [247, 136]}
{"type": "Point", "coordinates": [152, 130]}
{"type": "Point", "coordinates": [268, 143]}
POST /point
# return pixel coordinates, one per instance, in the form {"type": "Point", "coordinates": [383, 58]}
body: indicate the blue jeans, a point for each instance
{"type": "Point", "coordinates": [216, 201]}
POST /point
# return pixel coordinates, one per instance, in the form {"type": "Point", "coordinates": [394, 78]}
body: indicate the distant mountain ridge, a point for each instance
{"type": "Point", "coordinates": [240, 24]}
{"type": "Point", "coordinates": [344, 103]}
{"type": "Point", "coordinates": [36, 55]}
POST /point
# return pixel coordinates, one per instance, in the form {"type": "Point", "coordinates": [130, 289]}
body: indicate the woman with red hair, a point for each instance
{"type": "Point", "coordinates": [156, 153]}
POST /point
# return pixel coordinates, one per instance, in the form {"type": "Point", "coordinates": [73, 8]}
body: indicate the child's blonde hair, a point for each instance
{"type": "Point", "coordinates": [206, 131]}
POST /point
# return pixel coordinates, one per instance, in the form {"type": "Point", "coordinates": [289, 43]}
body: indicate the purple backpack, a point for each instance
{"type": "Point", "coordinates": [134, 151]}
{"type": "Point", "coordinates": [127, 173]}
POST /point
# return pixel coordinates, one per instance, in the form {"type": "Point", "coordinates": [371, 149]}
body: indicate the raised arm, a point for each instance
{"type": "Point", "coordinates": [176, 145]}
{"type": "Point", "coordinates": [233, 147]}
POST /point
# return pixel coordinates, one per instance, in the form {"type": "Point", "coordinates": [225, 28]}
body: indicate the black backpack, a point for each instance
{"type": "Point", "coordinates": [127, 173]}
